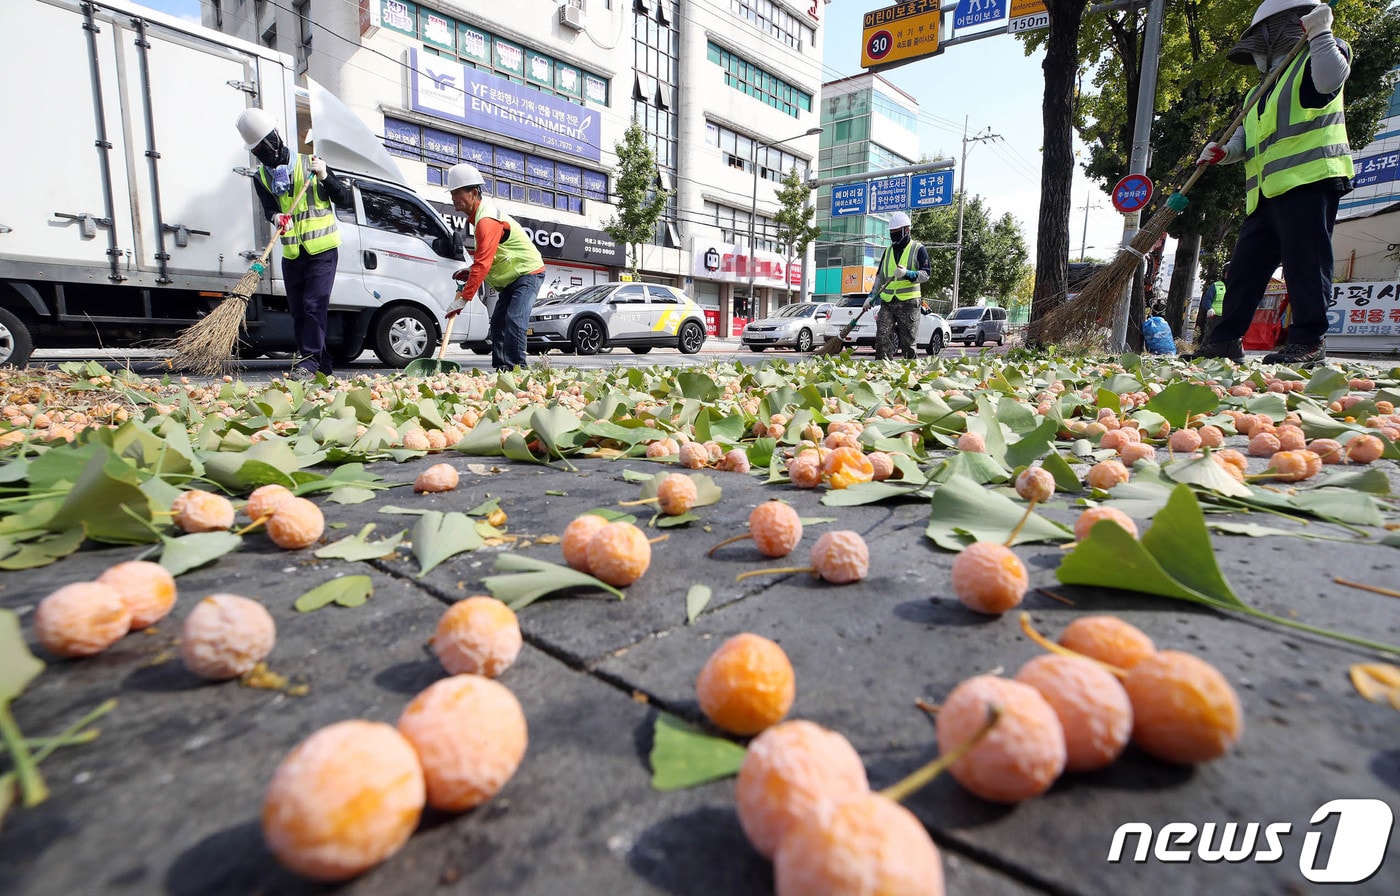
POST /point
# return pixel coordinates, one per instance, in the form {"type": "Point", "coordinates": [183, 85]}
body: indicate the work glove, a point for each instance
{"type": "Point", "coordinates": [1212, 154]}
{"type": "Point", "coordinates": [901, 272]}
{"type": "Point", "coordinates": [1319, 21]}
{"type": "Point", "coordinates": [463, 275]}
{"type": "Point", "coordinates": [869, 301]}
{"type": "Point", "coordinates": [457, 305]}
{"type": "Point", "coordinates": [318, 167]}
{"type": "Point", "coordinates": [283, 222]}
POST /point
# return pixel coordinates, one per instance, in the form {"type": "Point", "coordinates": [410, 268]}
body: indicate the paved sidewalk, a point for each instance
{"type": "Point", "coordinates": [168, 799]}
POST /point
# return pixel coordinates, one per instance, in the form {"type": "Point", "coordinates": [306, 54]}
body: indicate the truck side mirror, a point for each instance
{"type": "Point", "coordinates": [450, 246]}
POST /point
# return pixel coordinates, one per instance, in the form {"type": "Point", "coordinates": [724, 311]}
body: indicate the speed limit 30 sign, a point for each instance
{"type": "Point", "coordinates": [900, 33]}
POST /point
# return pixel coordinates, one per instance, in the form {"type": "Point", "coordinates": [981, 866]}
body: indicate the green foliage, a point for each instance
{"type": "Point", "coordinates": [638, 199]}
{"type": "Point", "coordinates": [795, 230]}
{"type": "Point", "coordinates": [994, 252]}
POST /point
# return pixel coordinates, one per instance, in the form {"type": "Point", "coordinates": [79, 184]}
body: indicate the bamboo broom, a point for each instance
{"type": "Point", "coordinates": [206, 347]}
{"type": "Point", "coordinates": [1097, 301]}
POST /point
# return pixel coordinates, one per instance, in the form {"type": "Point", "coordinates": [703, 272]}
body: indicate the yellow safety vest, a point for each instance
{"type": "Point", "coordinates": [1287, 144]}
{"type": "Point", "coordinates": [515, 255]}
{"type": "Point", "coordinates": [313, 220]}
{"type": "Point", "coordinates": [896, 289]}
{"type": "Point", "coordinates": [1217, 304]}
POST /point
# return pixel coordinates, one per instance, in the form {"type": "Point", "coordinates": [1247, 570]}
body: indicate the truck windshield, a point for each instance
{"type": "Point", "coordinates": [396, 213]}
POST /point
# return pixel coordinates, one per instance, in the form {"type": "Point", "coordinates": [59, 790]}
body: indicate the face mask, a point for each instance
{"type": "Point", "coordinates": [281, 180]}
{"type": "Point", "coordinates": [1261, 62]}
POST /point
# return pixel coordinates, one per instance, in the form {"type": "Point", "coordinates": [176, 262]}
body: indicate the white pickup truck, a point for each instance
{"type": "Point", "coordinates": [129, 208]}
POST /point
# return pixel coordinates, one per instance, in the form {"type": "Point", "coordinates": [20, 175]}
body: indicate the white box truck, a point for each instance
{"type": "Point", "coordinates": [128, 209]}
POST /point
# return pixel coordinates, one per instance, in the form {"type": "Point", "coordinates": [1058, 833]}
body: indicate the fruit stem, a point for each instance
{"type": "Point", "coordinates": [930, 708]}
{"type": "Point", "coordinates": [1372, 588]}
{"type": "Point", "coordinates": [744, 537]}
{"type": "Point", "coordinates": [1316, 630]}
{"type": "Point", "coordinates": [658, 539]}
{"type": "Point", "coordinates": [1051, 646]}
{"type": "Point", "coordinates": [31, 783]}
{"type": "Point", "coordinates": [1011, 539]}
{"type": "Point", "coordinates": [38, 743]}
{"type": "Point", "coordinates": [777, 569]}
{"type": "Point", "coordinates": [923, 776]}
{"type": "Point", "coordinates": [637, 502]}
{"type": "Point", "coordinates": [254, 524]}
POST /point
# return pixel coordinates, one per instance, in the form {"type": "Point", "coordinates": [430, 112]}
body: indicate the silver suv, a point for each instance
{"type": "Point", "coordinates": [639, 316]}
{"type": "Point", "coordinates": [978, 324]}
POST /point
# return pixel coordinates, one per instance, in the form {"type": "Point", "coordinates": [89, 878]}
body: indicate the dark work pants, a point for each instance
{"type": "Point", "coordinates": [309, 279]}
{"type": "Point", "coordinates": [896, 329]}
{"type": "Point", "coordinates": [1295, 228]}
{"type": "Point", "coordinates": [509, 319]}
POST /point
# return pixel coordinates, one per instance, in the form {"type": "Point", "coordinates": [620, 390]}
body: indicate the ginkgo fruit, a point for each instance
{"type": "Point", "coordinates": [746, 685]}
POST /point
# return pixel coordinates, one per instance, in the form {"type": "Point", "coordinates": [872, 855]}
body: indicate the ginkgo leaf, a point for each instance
{"type": "Point", "coordinates": [1205, 472]}
{"type": "Point", "coordinates": [962, 512]}
{"type": "Point", "coordinates": [359, 547]}
{"type": "Point", "coordinates": [696, 599]}
{"type": "Point", "coordinates": [347, 591]}
{"type": "Point", "coordinates": [684, 756]}
{"type": "Point", "coordinates": [438, 536]}
{"type": "Point", "coordinates": [1377, 682]}
{"type": "Point", "coordinates": [180, 555]}
{"type": "Point", "coordinates": [527, 579]}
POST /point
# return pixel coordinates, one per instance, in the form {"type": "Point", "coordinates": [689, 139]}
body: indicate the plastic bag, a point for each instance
{"type": "Point", "coordinates": [1157, 337]}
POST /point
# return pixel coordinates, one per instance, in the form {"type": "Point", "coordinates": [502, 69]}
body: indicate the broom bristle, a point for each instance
{"type": "Point", "coordinates": [1091, 312]}
{"type": "Point", "coordinates": [207, 347]}
{"type": "Point", "coordinates": [247, 284]}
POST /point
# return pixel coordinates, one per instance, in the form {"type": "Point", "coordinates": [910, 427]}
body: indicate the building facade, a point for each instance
{"type": "Point", "coordinates": [868, 124]}
{"type": "Point", "coordinates": [1366, 241]}
{"type": "Point", "coordinates": [537, 94]}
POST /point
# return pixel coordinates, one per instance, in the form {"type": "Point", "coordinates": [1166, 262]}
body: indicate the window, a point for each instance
{"type": "Point", "coordinates": [763, 86]}
{"type": "Point", "coordinates": [269, 38]}
{"type": "Point", "coordinates": [302, 10]}
{"type": "Point", "coordinates": [772, 19]}
{"type": "Point", "coordinates": [655, 52]}
{"type": "Point", "coordinates": [663, 295]}
{"type": "Point", "coordinates": [630, 294]}
{"type": "Point", "coordinates": [399, 214]}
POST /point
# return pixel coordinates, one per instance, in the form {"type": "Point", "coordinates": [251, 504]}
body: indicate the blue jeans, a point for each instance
{"type": "Point", "coordinates": [509, 319]}
{"type": "Point", "coordinates": [308, 279]}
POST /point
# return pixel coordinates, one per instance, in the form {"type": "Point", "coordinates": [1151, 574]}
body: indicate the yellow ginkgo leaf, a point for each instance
{"type": "Point", "coordinates": [1377, 682]}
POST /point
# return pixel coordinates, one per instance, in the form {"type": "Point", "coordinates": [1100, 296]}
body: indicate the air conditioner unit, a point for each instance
{"type": "Point", "coordinates": [571, 16]}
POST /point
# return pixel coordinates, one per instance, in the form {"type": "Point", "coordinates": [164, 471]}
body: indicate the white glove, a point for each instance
{"type": "Point", "coordinates": [1212, 154]}
{"type": "Point", "coordinates": [318, 167]}
{"type": "Point", "coordinates": [901, 272]}
{"type": "Point", "coordinates": [1319, 21]}
{"type": "Point", "coordinates": [869, 300]}
{"type": "Point", "coordinates": [457, 305]}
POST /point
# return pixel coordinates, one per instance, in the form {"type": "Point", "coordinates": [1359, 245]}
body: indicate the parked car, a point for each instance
{"type": "Point", "coordinates": [978, 324]}
{"type": "Point", "coordinates": [933, 332]}
{"type": "Point", "coordinates": [638, 316]}
{"type": "Point", "coordinates": [793, 326]}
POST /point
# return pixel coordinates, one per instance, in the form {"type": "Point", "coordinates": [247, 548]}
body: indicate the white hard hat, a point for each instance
{"type": "Point", "coordinates": [254, 125]}
{"type": "Point", "coordinates": [463, 175]}
{"type": "Point", "coordinates": [898, 220]}
{"type": "Point", "coordinates": [1273, 7]}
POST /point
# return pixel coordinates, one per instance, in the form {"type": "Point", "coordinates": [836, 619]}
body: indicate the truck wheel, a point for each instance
{"type": "Point", "coordinates": [16, 345]}
{"type": "Point", "coordinates": [692, 337]}
{"type": "Point", "coordinates": [402, 334]}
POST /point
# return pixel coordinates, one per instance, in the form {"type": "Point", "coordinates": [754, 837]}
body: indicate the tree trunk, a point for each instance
{"type": "Point", "coordinates": [1179, 297]}
{"type": "Point", "coordinates": [1057, 161]}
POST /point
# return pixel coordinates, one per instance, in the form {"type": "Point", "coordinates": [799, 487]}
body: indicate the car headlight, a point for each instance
{"type": "Point", "coordinates": [548, 316]}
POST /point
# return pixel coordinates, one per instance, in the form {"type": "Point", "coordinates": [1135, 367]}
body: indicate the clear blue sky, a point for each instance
{"type": "Point", "coordinates": [990, 81]}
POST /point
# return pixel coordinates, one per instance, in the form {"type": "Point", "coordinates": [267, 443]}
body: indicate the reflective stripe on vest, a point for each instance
{"type": "Point", "coordinates": [1287, 144]}
{"type": "Point", "coordinates": [313, 220]}
{"type": "Point", "coordinates": [515, 255]}
{"type": "Point", "coordinates": [1217, 304]}
{"type": "Point", "coordinates": [896, 289]}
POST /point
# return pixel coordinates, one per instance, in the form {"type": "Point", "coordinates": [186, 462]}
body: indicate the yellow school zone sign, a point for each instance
{"type": "Point", "coordinates": [899, 33]}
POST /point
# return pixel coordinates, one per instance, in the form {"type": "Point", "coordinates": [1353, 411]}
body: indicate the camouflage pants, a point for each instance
{"type": "Point", "coordinates": [896, 329]}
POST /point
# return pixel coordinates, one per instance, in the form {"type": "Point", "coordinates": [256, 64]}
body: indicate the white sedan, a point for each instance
{"type": "Point", "coordinates": [934, 332]}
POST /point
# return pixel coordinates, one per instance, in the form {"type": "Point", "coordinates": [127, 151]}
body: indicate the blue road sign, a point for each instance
{"type": "Point", "coordinates": [1132, 193]}
{"type": "Point", "coordinates": [978, 12]}
{"type": "Point", "coordinates": [848, 199]}
{"type": "Point", "coordinates": [931, 189]}
{"type": "Point", "coordinates": [889, 195]}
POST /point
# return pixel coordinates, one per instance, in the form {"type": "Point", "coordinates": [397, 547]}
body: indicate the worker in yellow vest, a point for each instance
{"type": "Point", "coordinates": [1297, 164]}
{"type": "Point", "coordinates": [903, 266]}
{"type": "Point", "coordinates": [309, 235]}
{"type": "Point", "coordinates": [504, 259]}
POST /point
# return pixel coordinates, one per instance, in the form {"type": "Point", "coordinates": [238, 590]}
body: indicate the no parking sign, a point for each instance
{"type": "Point", "coordinates": [1132, 193]}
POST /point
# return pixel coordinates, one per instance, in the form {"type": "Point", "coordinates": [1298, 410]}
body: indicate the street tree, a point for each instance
{"type": "Point", "coordinates": [637, 196]}
{"type": "Point", "coordinates": [794, 228]}
{"type": "Point", "coordinates": [994, 251]}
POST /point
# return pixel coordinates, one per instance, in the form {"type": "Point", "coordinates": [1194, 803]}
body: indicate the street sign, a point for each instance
{"type": "Point", "coordinates": [848, 199]}
{"type": "Point", "coordinates": [1027, 15]}
{"type": "Point", "coordinates": [889, 195]}
{"type": "Point", "coordinates": [931, 189]}
{"type": "Point", "coordinates": [1132, 193]}
{"type": "Point", "coordinates": [900, 33]}
{"type": "Point", "coordinates": [978, 12]}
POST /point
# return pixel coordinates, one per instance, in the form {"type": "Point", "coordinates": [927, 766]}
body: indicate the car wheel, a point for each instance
{"type": "Point", "coordinates": [804, 341]}
{"type": "Point", "coordinates": [16, 345]}
{"type": "Point", "coordinates": [935, 342]}
{"type": "Point", "coordinates": [402, 334]}
{"type": "Point", "coordinates": [587, 336]}
{"type": "Point", "coordinates": [692, 337]}
{"type": "Point", "coordinates": [757, 348]}
{"type": "Point", "coordinates": [639, 349]}
{"type": "Point", "coordinates": [981, 339]}
{"type": "Point", "coordinates": [1001, 340]}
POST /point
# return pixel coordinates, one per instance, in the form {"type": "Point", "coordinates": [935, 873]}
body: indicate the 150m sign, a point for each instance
{"type": "Point", "coordinates": [900, 33]}
{"type": "Point", "coordinates": [1027, 15]}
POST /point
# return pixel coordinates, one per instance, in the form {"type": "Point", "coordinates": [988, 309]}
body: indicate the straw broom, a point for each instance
{"type": "Point", "coordinates": [1097, 301]}
{"type": "Point", "coordinates": [206, 347]}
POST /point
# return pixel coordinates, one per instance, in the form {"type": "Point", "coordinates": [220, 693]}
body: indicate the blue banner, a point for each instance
{"type": "Point", "coordinates": [450, 90]}
{"type": "Point", "coordinates": [848, 199]}
{"type": "Point", "coordinates": [889, 195]}
{"type": "Point", "coordinates": [977, 12]}
{"type": "Point", "coordinates": [931, 189]}
{"type": "Point", "coordinates": [1380, 169]}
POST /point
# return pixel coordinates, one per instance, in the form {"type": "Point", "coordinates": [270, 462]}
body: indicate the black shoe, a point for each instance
{"type": "Point", "coordinates": [1229, 349]}
{"type": "Point", "coordinates": [1300, 355]}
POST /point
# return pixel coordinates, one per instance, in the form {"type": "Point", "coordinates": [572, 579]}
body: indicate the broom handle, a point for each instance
{"type": "Point", "coordinates": [272, 243]}
{"type": "Point", "coordinates": [1269, 80]}
{"type": "Point", "coordinates": [446, 337]}
{"type": "Point", "coordinates": [846, 330]}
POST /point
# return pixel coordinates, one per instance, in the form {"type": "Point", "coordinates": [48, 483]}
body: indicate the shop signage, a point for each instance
{"type": "Point", "coordinates": [729, 263]}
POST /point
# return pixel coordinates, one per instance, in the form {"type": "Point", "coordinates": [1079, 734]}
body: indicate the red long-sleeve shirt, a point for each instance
{"type": "Point", "coordinates": [488, 233]}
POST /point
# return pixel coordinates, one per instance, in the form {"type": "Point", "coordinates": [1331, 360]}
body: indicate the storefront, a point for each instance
{"type": "Point", "coordinates": [729, 269]}
{"type": "Point", "coordinates": [573, 256]}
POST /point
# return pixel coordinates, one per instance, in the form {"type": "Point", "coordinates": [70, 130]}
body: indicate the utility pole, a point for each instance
{"type": "Point", "coordinates": [1084, 237]}
{"type": "Point", "coordinates": [962, 181]}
